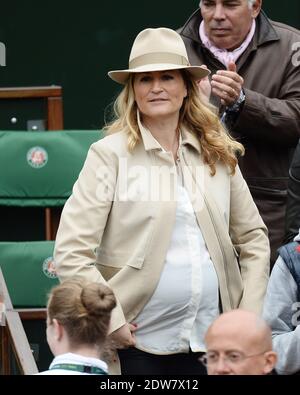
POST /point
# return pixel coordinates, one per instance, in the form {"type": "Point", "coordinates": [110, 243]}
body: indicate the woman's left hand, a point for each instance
{"type": "Point", "coordinates": [123, 337]}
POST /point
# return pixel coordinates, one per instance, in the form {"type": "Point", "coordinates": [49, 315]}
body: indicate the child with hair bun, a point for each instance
{"type": "Point", "coordinates": [78, 318]}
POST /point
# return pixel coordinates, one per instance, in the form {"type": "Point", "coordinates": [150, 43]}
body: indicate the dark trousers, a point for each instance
{"type": "Point", "coordinates": [134, 361]}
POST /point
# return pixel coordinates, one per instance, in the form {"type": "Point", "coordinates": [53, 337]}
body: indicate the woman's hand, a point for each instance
{"type": "Point", "coordinates": [204, 88]}
{"type": "Point", "coordinates": [123, 337]}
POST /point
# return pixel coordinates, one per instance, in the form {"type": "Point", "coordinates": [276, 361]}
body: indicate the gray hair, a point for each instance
{"type": "Point", "coordinates": [250, 3]}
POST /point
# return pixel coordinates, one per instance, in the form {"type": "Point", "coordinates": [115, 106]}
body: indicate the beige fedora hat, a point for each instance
{"type": "Point", "coordinates": [157, 50]}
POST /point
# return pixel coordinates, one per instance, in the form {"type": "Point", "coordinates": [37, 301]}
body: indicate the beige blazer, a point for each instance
{"type": "Point", "coordinates": [116, 226]}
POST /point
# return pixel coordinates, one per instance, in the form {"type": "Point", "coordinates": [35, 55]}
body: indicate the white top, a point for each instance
{"type": "Point", "coordinates": [185, 301]}
{"type": "Point", "coordinates": [74, 359]}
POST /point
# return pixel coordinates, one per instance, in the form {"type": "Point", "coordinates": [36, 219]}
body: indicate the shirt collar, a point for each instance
{"type": "Point", "coordinates": [79, 359]}
{"type": "Point", "coordinates": [150, 143]}
{"type": "Point", "coordinates": [189, 138]}
{"type": "Point", "coordinates": [297, 238]}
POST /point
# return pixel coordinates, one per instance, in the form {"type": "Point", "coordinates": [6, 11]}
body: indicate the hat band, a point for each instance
{"type": "Point", "coordinates": [158, 58]}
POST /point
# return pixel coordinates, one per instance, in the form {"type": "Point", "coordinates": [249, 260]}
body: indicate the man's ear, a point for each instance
{"type": "Point", "coordinates": [256, 7]}
{"type": "Point", "coordinates": [270, 361]}
{"type": "Point", "coordinates": [58, 329]}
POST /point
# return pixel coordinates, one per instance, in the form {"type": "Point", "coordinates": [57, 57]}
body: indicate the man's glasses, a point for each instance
{"type": "Point", "coordinates": [232, 358]}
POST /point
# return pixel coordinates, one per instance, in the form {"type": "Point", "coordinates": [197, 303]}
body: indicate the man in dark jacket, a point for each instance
{"type": "Point", "coordinates": [255, 81]}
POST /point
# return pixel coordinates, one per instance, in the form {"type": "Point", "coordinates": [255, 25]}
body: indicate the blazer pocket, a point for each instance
{"type": "Point", "coordinates": [136, 262]}
{"type": "Point", "coordinates": [120, 260]}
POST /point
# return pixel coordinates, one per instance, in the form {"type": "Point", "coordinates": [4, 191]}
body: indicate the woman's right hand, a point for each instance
{"type": "Point", "coordinates": [123, 337]}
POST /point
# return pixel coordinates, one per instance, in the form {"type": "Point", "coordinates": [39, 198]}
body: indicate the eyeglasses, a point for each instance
{"type": "Point", "coordinates": [232, 358]}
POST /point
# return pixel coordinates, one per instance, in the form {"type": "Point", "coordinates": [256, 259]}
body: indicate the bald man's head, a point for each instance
{"type": "Point", "coordinates": [243, 324]}
{"type": "Point", "coordinates": [241, 342]}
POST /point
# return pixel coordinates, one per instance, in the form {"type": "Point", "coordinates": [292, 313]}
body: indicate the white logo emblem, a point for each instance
{"type": "Point", "coordinates": [49, 268]}
{"type": "Point", "coordinates": [37, 157]}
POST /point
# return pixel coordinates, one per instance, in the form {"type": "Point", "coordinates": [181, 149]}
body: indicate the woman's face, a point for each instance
{"type": "Point", "coordinates": [159, 94]}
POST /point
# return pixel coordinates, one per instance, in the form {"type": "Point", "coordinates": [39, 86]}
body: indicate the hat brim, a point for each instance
{"type": "Point", "coordinates": [121, 76]}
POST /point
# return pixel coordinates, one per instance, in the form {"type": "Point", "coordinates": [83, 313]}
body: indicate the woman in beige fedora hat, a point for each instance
{"type": "Point", "coordinates": [161, 213]}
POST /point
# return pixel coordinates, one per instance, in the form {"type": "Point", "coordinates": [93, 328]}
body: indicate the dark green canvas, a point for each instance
{"type": "Point", "coordinates": [40, 168]}
{"type": "Point", "coordinates": [29, 271]}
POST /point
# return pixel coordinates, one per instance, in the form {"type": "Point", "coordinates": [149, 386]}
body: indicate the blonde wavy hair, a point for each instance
{"type": "Point", "coordinates": [198, 117]}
